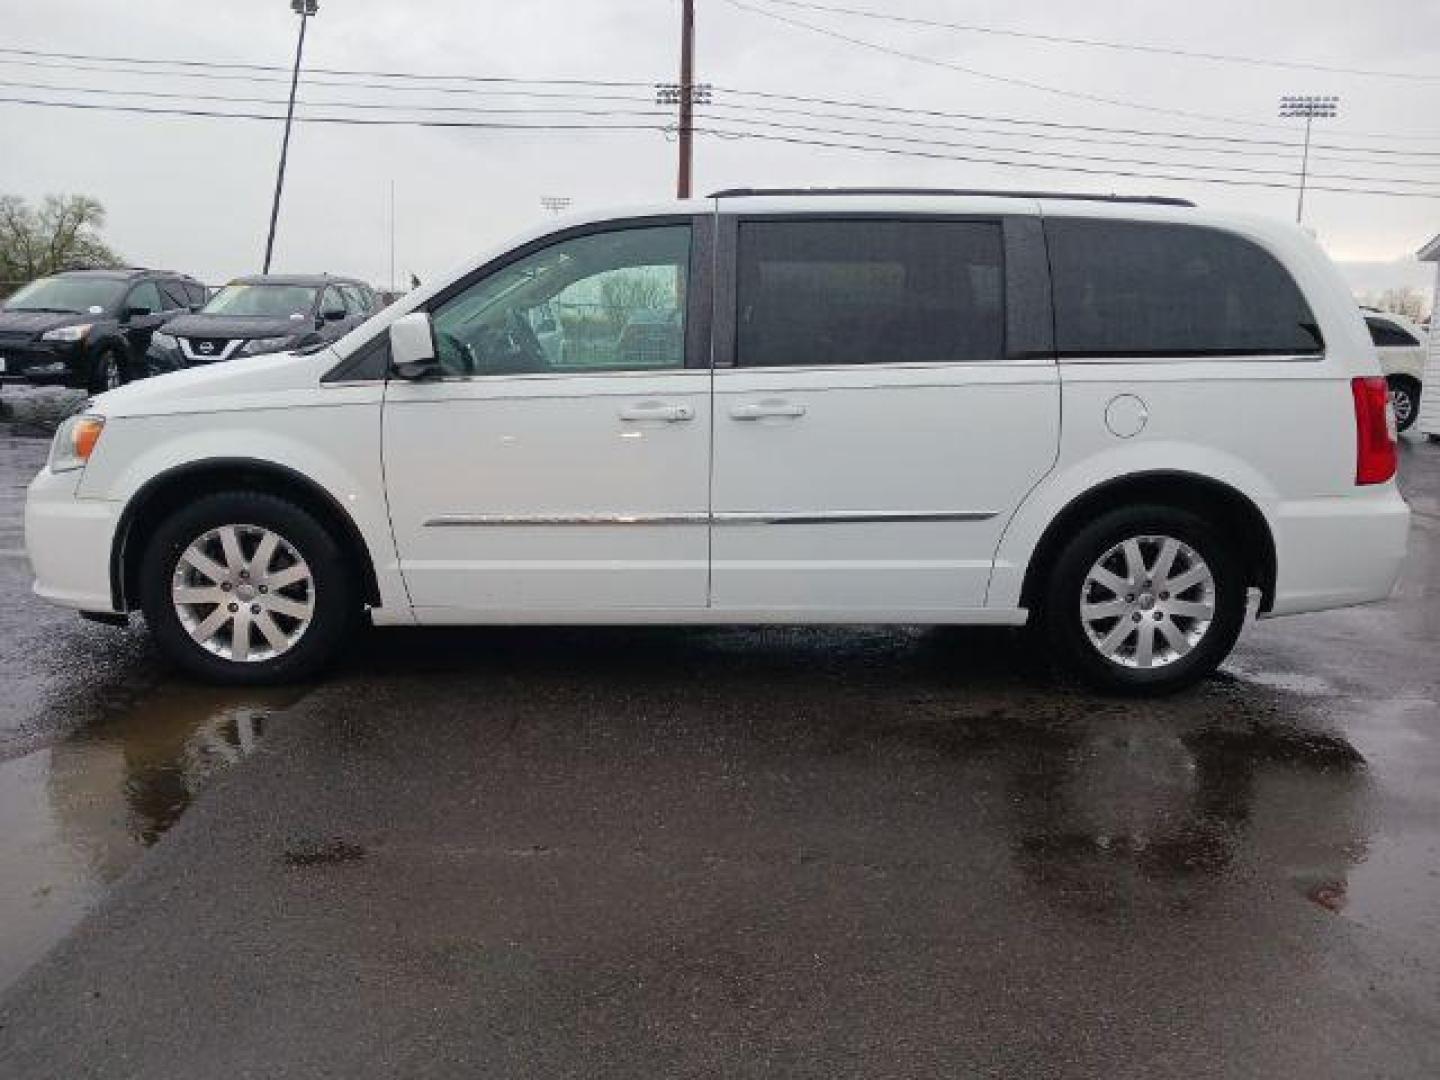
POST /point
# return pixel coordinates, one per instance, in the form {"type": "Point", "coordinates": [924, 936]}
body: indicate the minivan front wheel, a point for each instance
{"type": "Point", "coordinates": [244, 587]}
{"type": "Point", "coordinates": [1145, 599]}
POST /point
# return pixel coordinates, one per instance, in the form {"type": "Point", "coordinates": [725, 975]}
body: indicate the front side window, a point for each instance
{"type": "Point", "coordinates": [1385, 333]}
{"type": "Point", "coordinates": [69, 295]}
{"type": "Point", "coordinates": [1128, 288]}
{"type": "Point", "coordinates": [828, 292]}
{"type": "Point", "coordinates": [354, 301]}
{"type": "Point", "coordinates": [612, 301]}
{"type": "Point", "coordinates": [263, 301]}
{"type": "Point", "coordinates": [174, 293]}
{"type": "Point", "coordinates": [145, 297]}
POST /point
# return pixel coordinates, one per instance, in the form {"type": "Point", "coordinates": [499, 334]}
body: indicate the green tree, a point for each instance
{"type": "Point", "coordinates": [62, 233]}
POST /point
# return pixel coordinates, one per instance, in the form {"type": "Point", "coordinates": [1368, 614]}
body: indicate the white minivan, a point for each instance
{"type": "Point", "coordinates": [1121, 420]}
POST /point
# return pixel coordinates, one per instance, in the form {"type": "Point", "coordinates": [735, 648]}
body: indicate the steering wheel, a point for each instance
{"type": "Point", "coordinates": [457, 346]}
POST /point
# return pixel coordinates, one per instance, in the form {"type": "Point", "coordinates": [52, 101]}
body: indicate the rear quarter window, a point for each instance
{"type": "Point", "coordinates": [1138, 289]}
{"type": "Point", "coordinates": [1385, 333]}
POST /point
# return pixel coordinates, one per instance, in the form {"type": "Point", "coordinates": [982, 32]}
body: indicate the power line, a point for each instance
{"type": "Point", "coordinates": [1238, 140]}
{"type": "Point", "coordinates": [1048, 153]}
{"type": "Point", "coordinates": [506, 87]}
{"type": "Point", "coordinates": [353, 121]}
{"type": "Point", "coordinates": [238, 66]}
{"type": "Point", "coordinates": [1099, 43]}
{"type": "Point", "coordinates": [1011, 80]}
{"type": "Point", "coordinates": [718, 132]}
{"type": "Point", "coordinates": [830, 144]}
{"type": "Point", "coordinates": [239, 99]}
{"type": "Point", "coordinates": [470, 110]}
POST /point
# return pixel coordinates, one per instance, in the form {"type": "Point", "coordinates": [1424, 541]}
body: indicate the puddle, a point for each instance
{"type": "Point", "coordinates": [80, 812]}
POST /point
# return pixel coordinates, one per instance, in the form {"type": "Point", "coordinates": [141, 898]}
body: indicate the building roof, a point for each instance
{"type": "Point", "coordinates": [1430, 252]}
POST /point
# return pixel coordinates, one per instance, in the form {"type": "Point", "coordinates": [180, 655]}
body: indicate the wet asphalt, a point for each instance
{"type": "Point", "coordinates": [684, 852]}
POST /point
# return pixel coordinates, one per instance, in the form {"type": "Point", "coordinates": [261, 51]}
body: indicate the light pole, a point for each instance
{"type": "Point", "coordinates": [1311, 107]}
{"type": "Point", "coordinates": [305, 9]}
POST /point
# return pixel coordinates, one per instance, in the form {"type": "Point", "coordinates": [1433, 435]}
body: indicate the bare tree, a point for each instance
{"type": "Point", "coordinates": [62, 233]}
{"type": "Point", "coordinates": [1405, 300]}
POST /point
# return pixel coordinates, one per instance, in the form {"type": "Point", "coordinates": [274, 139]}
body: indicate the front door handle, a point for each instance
{"type": "Point", "coordinates": [657, 410]}
{"type": "Point", "coordinates": [762, 410]}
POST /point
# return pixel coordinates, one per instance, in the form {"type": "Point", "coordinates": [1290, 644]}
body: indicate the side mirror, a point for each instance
{"type": "Point", "coordinates": [137, 313]}
{"type": "Point", "coordinates": [333, 314]}
{"type": "Point", "coordinates": [412, 347]}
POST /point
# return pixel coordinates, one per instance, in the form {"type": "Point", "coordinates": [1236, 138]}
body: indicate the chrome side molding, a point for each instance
{"type": "Point", "coordinates": [731, 517]}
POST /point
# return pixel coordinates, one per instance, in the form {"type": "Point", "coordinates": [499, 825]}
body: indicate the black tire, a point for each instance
{"type": "Point", "coordinates": [336, 601]}
{"type": "Point", "coordinates": [1065, 631]}
{"type": "Point", "coordinates": [1405, 393]}
{"type": "Point", "coordinates": [107, 361]}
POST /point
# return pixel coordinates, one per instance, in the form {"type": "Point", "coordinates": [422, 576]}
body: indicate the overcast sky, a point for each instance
{"type": "Point", "coordinates": [193, 194]}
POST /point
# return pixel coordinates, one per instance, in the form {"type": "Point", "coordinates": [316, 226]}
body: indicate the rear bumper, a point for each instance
{"type": "Point", "coordinates": [1335, 552]}
{"type": "Point", "coordinates": [69, 541]}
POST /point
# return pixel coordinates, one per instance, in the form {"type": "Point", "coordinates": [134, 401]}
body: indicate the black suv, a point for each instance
{"type": "Point", "coordinates": [264, 314]}
{"type": "Point", "coordinates": [90, 329]}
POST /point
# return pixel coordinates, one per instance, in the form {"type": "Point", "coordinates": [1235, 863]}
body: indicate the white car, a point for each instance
{"type": "Point", "coordinates": [881, 407]}
{"type": "Point", "coordinates": [1401, 345]}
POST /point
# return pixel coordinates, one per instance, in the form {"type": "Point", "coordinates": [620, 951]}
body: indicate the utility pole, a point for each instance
{"type": "Point", "coordinates": [687, 98]}
{"type": "Point", "coordinates": [686, 94]}
{"type": "Point", "coordinates": [305, 9]}
{"type": "Point", "coordinates": [1311, 107]}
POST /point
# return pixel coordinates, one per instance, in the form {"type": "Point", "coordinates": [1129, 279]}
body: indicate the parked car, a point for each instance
{"type": "Point", "coordinates": [861, 422]}
{"type": "Point", "coordinates": [89, 328]}
{"type": "Point", "coordinates": [268, 313]}
{"type": "Point", "coordinates": [1401, 345]}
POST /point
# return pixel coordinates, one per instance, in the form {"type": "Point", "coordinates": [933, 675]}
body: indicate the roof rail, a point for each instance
{"type": "Point", "coordinates": [1078, 196]}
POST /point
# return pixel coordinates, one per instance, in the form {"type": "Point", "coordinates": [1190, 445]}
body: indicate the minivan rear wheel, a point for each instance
{"type": "Point", "coordinates": [1405, 400]}
{"type": "Point", "coordinates": [247, 588]}
{"type": "Point", "coordinates": [1144, 600]}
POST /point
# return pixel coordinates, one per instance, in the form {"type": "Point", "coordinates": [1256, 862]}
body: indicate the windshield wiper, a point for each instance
{"type": "Point", "coordinates": [48, 310]}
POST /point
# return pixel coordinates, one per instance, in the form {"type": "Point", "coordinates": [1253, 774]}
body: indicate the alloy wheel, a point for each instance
{"type": "Point", "coordinates": [244, 593]}
{"type": "Point", "coordinates": [1403, 405]}
{"type": "Point", "coordinates": [1147, 602]}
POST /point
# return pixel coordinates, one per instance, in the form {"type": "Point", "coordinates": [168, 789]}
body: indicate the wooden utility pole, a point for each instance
{"type": "Point", "coordinates": [687, 97]}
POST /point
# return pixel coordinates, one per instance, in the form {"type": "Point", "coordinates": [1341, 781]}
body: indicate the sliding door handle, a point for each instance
{"type": "Point", "coordinates": [657, 410]}
{"type": "Point", "coordinates": [764, 410]}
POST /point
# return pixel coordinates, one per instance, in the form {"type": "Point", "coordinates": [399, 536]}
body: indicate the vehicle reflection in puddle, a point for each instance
{"type": "Point", "coordinates": [1128, 813]}
{"type": "Point", "coordinates": [79, 813]}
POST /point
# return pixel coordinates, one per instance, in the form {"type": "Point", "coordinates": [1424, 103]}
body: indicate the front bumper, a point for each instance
{"type": "Point", "coordinates": [69, 541]}
{"type": "Point", "coordinates": [42, 361]}
{"type": "Point", "coordinates": [1335, 552]}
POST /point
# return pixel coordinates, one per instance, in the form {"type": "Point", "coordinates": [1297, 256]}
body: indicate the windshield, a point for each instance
{"type": "Point", "coordinates": [266, 301]}
{"type": "Point", "coordinates": [69, 294]}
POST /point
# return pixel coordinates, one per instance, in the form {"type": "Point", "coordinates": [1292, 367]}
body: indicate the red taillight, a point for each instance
{"type": "Point", "coordinates": [1375, 460]}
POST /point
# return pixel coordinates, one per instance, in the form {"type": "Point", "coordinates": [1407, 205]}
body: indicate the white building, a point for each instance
{"type": "Point", "coordinates": [1430, 393]}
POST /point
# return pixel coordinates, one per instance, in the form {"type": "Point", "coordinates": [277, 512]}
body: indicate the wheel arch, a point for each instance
{"type": "Point", "coordinates": [163, 493]}
{"type": "Point", "coordinates": [1213, 499]}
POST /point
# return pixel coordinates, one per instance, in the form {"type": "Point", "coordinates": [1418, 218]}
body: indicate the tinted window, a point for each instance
{"type": "Point", "coordinates": [1384, 332]}
{"type": "Point", "coordinates": [605, 302]}
{"type": "Point", "coordinates": [174, 295]}
{"type": "Point", "coordinates": [354, 301]}
{"type": "Point", "coordinates": [145, 295]}
{"type": "Point", "coordinates": [1142, 289]}
{"type": "Point", "coordinates": [869, 292]}
{"type": "Point", "coordinates": [333, 303]}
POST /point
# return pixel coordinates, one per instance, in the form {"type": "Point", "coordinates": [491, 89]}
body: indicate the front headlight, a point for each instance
{"type": "Point", "coordinates": [75, 441]}
{"type": "Point", "coordinates": [258, 346]}
{"type": "Point", "coordinates": [67, 333]}
{"type": "Point", "coordinates": [163, 341]}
